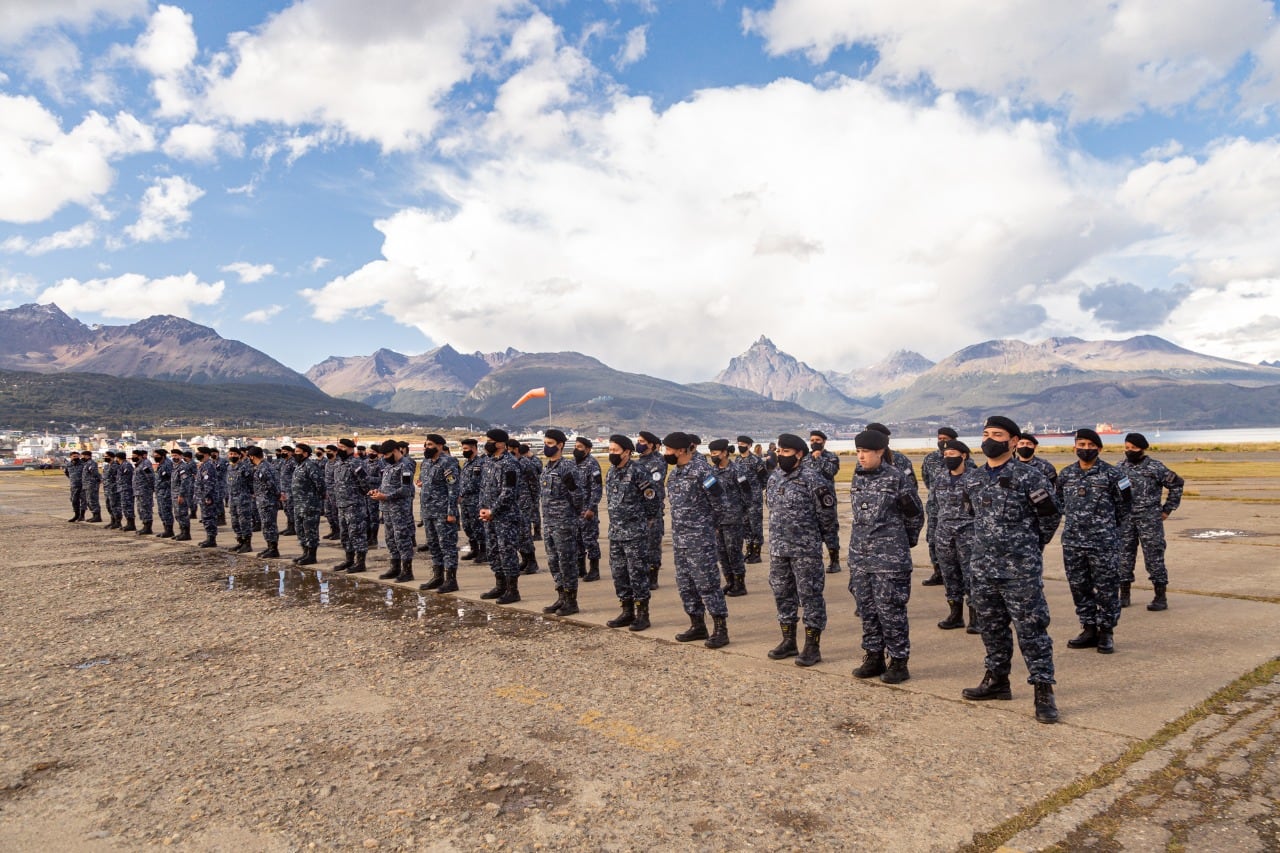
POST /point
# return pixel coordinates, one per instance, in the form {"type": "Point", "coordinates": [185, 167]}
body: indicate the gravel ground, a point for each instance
{"type": "Point", "coordinates": [143, 702]}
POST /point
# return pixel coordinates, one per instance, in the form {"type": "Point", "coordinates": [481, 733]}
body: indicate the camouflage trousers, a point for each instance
{"type": "Point", "coordinates": [561, 543]}
{"type": "Point", "coordinates": [113, 503]}
{"type": "Point", "coordinates": [589, 536]}
{"type": "Point", "coordinates": [164, 506]}
{"type": "Point", "coordinates": [306, 521]}
{"type": "Point", "coordinates": [831, 538]}
{"type": "Point", "coordinates": [77, 499]}
{"type": "Point", "coordinates": [145, 505]}
{"type": "Point", "coordinates": [472, 526]}
{"type": "Point", "coordinates": [91, 499]}
{"type": "Point", "coordinates": [754, 534]}
{"type": "Point", "coordinates": [729, 550]}
{"type": "Point", "coordinates": [931, 536]}
{"type": "Point", "coordinates": [629, 565]}
{"type": "Point", "coordinates": [698, 580]}
{"type": "Point", "coordinates": [882, 600]}
{"type": "Point", "coordinates": [798, 581]}
{"type": "Point", "coordinates": [950, 551]}
{"type": "Point", "coordinates": [181, 511]}
{"type": "Point", "coordinates": [124, 503]}
{"type": "Point", "coordinates": [654, 540]}
{"type": "Point", "coordinates": [402, 538]}
{"type": "Point", "coordinates": [502, 534]}
{"type": "Point", "coordinates": [1001, 602]}
{"type": "Point", "coordinates": [331, 511]}
{"type": "Point", "coordinates": [1094, 577]}
{"type": "Point", "coordinates": [268, 515]}
{"type": "Point", "coordinates": [209, 516]}
{"type": "Point", "coordinates": [1145, 528]}
{"type": "Point", "coordinates": [353, 527]}
{"type": "Point", "coordinates": [442, 541]}
{"type": "Point", "coordinates": [528, 518]}
{"type": "Point", "coordinates": [242, 515]}
{"type": "Point", "coordinates": [373, 517]}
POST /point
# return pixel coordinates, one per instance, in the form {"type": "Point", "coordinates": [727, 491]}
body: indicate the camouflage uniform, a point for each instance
{"type": "Point", "coordinates": [633, 504]}
{"type": "Point", "coordinates": [1044, 466]}
{"type": "Point", "coordinates": [350, 489]}
{"type": "Point", "coordinates": [90, 481]}
{"type": "Point", "coordinates": [144, 490]}
{"type": "Point", "coordinates": [397, 484]}
{"type": "Point", "coordinates": [240, 497]}
{"type": "Point", "coordinates": [266, 496]}
{"type": "Point", "coordinates": [697, 508]}
{"type": "Point", "coordinates": [655, 464]}
{"type": "Point", "coordinates": [738, 485]}
{"type": "Point", "coordinates": [903, 463]}
{"type": "Point", "coordinates": [753, 467]}
{"type": "Point", "coordinates": [1015, 517]}
{"type": "Point", "coordinates": [1145, 524]}
{"type": "Point", "coordinates": [286, 468]}
{"type": "Point", "coordinates": [826, 464]}
{"type": "Point", "coordinates": [592, 482]}
{"type": "Point", "coordinates": [109, 480]}
{"type": "Point", "coordinates": [953, 533]}
{"type": "Point", "coordinates": [331, 493]}
{"type": "Point", "coordinates": [184, 486]}
{"type": "Point", "coordinates": [932, 469]}
{"type": "Point", "coordinates": [528, 499]}
{"type": "Point", "coordinates": [802, 508]}
{"type": "Point", "coordinates": [164, 491]}
{"type": "Point", "coordinates": [74, 472]}
{"type": "Point", "coordinates": [886, 519]}
{"type": "Point", "coordinates": [373, 466]}
{"type": "Point", "coordinates": [498, 494]}
{"type": "Point", "coordinates": [223, 467]}
{"type": "Point", "coordinates": [439, 499]}
{"type": "Point", "coordinates": [469, 501]}
{"type": "Point", "coordinates": [208, 492]}
{"type": "Point", "coordinates": [306, 490]}
{"type": "Point", "coordinates": [124, 489]}
{"type": "Point", "coordinates": [1094, 504]}
{"type": "Point", "coordinates": [561, 501]}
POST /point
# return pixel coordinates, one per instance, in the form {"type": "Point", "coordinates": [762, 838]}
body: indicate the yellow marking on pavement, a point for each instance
{"type": "Point", "coordinates": [621, 731]}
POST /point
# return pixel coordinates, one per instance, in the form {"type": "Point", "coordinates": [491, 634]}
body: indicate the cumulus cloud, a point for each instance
{"type": "Point", "coordinates": [20, 17]}
{"type": "Point", "coordinates": [133, 296]}
{"type": "Point", "coordinates": [1097, 58]}
{"type": "Point", "coordinates": [376, 77]}
{"type": "Point", "coordinates": [72, 238]}
{"type": "Point", "coordinates": [42, 169]}
{"type": "Point", "coordinates": [166, 50]}
{"type": "Point", "coordinates": [318, 263]}
{"type": "Point", "coordinates": [633, 49]}
{"type": "Point", "coordinates": [249, 273]}
{"type": "Point", "coordinates": [166, 206]}
{"type": "Point", "coordinates": [263, 315]}
{"type": "Point", "coordinates": [1125, 307]}
{"type": "Point", "coordinates": [202, 143]}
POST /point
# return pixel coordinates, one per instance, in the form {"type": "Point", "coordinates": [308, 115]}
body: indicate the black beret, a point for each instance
{"type": "Point", "coordinates": [161, 451]}
{"type": "Point", "coordinates": [650, 437]}
{"type": "Point", "coordinates": [497, 435]}
{"type": "Point", "coordinates": [948, 432]}
{"type": "Point", "coordinates": [819, 433]}
{"type": "Point", "coordinates": [871, 439]}
{"type": "Point", "coordinates": [138, 451]}
{"type": "Point", "coordinates": [512, 444]}
{"type": "Point", "coordinates": [584, 441]}
{"type": "Point", "coordinates": [303, 448]}
{"type": "Point", "coordinates": [718, 444]}
{"type": "Point", "coordinates": [879, 427]}
{"type": "Point", "coordinates": [285, 447]}
{"type": "Point", "coordinates": [347, 443]}
{"type": "Point", "coordinates": [678, 441]}
{"type": "Point", "coordinates": [1031, 438]}
{"type": "Point", "coordinates": [255, 452]}
{"type": "Point", "coordinates": [403, 445]}
{"type": "Point", "coordinates": [436, 438]}
{"type": "Point", "coordinates": [331, 447]}
{"type": "Point", "coordinates": [1137, 439]}
{"type": "Point", "coordinates": [1089, 435]}
{"type": "Point", "coordinates": [360, 447]}
{"type": "Point", "coordinates": [470, 442]}
{"type": "Point", "coordinates": [956, 444]}
{"type": "Point", "coordinates": [792, 442]}
{"type": "Point", "coordinates": [556, 435]}
{"type": "Point", "coordinates": [745, 439]}
{"type": "Point", "coordinates": [388, 446]}
{"type": "Point", "coordinates": [202, 449]}
{"type": "Point", "coordinates": [1001, 422]}
{"type": "Point", "coordinates": [695, 439]}
{"type": "Point", "coordinates": [188, 454]}
{"type": "Point", "coordinates": [623, 441]}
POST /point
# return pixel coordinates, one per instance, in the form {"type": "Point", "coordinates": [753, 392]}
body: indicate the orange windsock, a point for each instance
{"type": "Point", "coordinates": [529, 395]}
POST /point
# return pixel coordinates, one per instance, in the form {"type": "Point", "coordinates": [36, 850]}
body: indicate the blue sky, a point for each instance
{"type": "Point", "coordinates": [655, 184]}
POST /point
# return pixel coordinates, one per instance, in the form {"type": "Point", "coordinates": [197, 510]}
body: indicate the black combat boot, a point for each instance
{"type": "Point", "coordinates": [358, 566]}
{"type": "Point", "coordinates": [424, 548]}
{"type": "Point", "coordinates": [348, 562]}
{"type": "Point", "coordinates": [130, 526]}
{"type": "Point", "coordinates": [955, 619]}
{"type": "Point", "coordinates": [570, 605]}
{"type": "Point", "coordinates": [737, 586]}
{"type": "Point", "coordinates": [697, 630]}
{"type": "Point", "coordinates": [246, 547]}
{"type": "Point", "coordinates": [626, 617]}
{"type": "Point", "coordinates": [537, 532]}
{"type": "Point", "coordinates": [222, 518]}
{"type": "Point", "coordinates": [719, 633]}
{"type": "Point", "coordinates": [787, 648]}
{"type": "Point", "coordinates": [146, 529]}
{"type": "Point", "coordinates": [392, 572]}
{"type": "Point", "coordinates": [115, 523]}
{"type": "Point", "coordinates": [450, 582]}
{"type": "Point", "coordinates": [308, 557]}
{"type": "Point", "coordinates": [406, 572]}
{"type": "Point", "coordinates": [471, 550]}
{"type": "Point", "coordinates": [272, 552]}
{"type": "Point", "coordinates": [166, 533]}
{"type": "Point", "coordinates": [642, 617]}
{"type": "Point", "coordinates": [289, 531]}
{"type": "Point", "coordinates": [1125, 597]}
{"type": "Point", "coordinates": [97, 518]}
{"type": "Point", "coordinates": [753, 555]}
{"type": "Point", "coordinates": [483, 557]}
{"type": "Point", "coordinates": [812, 653]}
{"type": "Point", "coordinates": [373, 538]}
{"type": "Point", "coordinates": [531, 566]}
{"type": "Point", "coordinates": [1106, 641]}
{"type": "Point", "coordinates": [512, 593]}
{"type": "Point", "coordinates": [210, 541]}
{"type": "Point", "coordinates": [834, 566]}
{"type": "Point", "coordinates": [872, 665]}
{"type": "Point", "coordinates": [934, 579]}
{"type": "Point", "coordinates": [333, 533]}
{"type": "Point", "coordinates": [1046, 707]}
{"type": "Point", "coordinates": [897, 671]}
{"type": "Point", "coordinates": [1159, 602]}
{"type": "Point", "coordinates": [257, 527]}
{"type": "Point", "coordinates": [499, 587]}
{"type": "Point", "coordinates": [437, 579]}
{"type": "Point", "coordinates": [582, 566]}
{"type": "Point", "coordinates": [559, 602]}
{"type": "Point", "coordinates": [235, 549]}
{"type": "Point", "coordinates": [653, 578]}
{"type": "Point", "coordinates": [75, 516]}
{"type": "Point", "coordinates": [184, 534]}
{"type": "Point", "coordinates": [992, 687]}
{"type": "Point", "coordinates": [593, 574]}
{"type": "Point", "coordinates": [974, 627]}
{"type": "Point", "coordinates": [1086, 639]}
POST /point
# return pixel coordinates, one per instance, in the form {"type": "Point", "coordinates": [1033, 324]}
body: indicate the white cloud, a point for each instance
{"type": "Point", "coordinates": [72, 238]}
{"type": "Point", "coordinates": [263, 315]}
{"type": "Point", "coordinates": [318, 263]}
{"type": "Point", "coordinates": [52, 59]}
{"type": "Point", "coordinates": [633, 48]}
{"type": "Point", "coordinates": [43, 169]}
{"type": "Point", "coordinates": [202, 143]}
{"type": "Point", "coordinates": [166, 50]}
{"type": "Point", "coordinates": [20, 17]}
{"type": "Point", "coordinates": [166, 206]}
{"type": "Point", "coordinates": [1098, 58]}
{"type": "Point", "coordinates": [249, 273]}
{"type": "Point", "coordinates": [133, 296]}
{"type": "Point", "coordinates": [376, 77]}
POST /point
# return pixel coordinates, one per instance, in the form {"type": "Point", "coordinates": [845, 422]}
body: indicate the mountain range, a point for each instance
{"type": "Point", "coordinates": [1142, 380]}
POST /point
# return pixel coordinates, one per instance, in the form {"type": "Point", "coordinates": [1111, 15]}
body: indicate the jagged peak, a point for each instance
{"type": "Point", "coordinates": [764, 341]}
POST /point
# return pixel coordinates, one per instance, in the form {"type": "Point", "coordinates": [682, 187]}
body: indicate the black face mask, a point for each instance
{"type": "Point", "coordinates": [742, 449]}
{"type": "Point", "coordinates": [430, 452]}
{"type": "Point", "coordinates": [579, 455]}
{"type": "Point", "coordinates": [615, 459]}
{"type": "Point", "coordinates": [490, 447]}
{"type": "Point", "coordinates": [953, 463]}
{"type": "Point", "coordinates": [550, 449]}
{"type": "Point", "coordinates": [1087, 454]}
{"type": "Point", "coordinates": [1134, 456]}
{"type": "Point", "coordinates": [642, 448]}
{"type": "Point", "coordinates": [467, 454]}
{"type": "Point", "coordinates": [670, 459]}
{"type": "Point", "coordinates": [992, 448]}
{"type": "Point", "coordinates": [788, 463]}
{"type": "Point", "coordinates": [815, 446]}
{"type": "Point", "coordinates": [1026, 452]}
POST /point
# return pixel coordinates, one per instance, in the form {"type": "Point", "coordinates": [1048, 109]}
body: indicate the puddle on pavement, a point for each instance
{"type": "Point", "coordinates": [91, 663]}
{"type": "Point", "coordinates": [299, 587]}
{"type": "Point", "coordinates": [1216, 533]}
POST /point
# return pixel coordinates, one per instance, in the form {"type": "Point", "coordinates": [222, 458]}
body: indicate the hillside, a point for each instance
{"type": "Point", "coordinates": [429, 383]}
{"type": "Point", "coordinates": [770, 372]}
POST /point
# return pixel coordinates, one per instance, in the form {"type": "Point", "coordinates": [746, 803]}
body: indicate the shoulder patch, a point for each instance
{"type": "Point", "coordinates": [1124, 483]}
{"type": "Point", "coordinates": [649, 494]}
{"type": "Point", "coordinates": [656, 476]}
{"type": "Point", "coordinates": [709, 481]}
{"type": "Point", "coordinates": [449, 478]}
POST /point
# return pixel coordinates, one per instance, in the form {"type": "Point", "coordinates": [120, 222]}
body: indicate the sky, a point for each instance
{"type": "Point", "coordinates": [656, 184]}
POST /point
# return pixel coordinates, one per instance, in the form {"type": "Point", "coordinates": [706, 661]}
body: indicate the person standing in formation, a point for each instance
{"type": "Point", "coordinates": [931, 470]}
{"type": "Point", "coordinates": [499, 508]}
{"type": "Point", "coordinates": [633, 504]}
{"type": "Point", "coordinates": [164, 491]}
{"type": "Point", "coordinates": [697, 509]}
{"type": "Point", "coordinates": [647, 455]}
{"type": "Point", "coordinates": [90, 483]}
{"type": "Point", "coordinates": [827, 465]}
{"type": "Point", "coordinates": [753, 466]}
{"type": "Point", "coordinates": [589, 527]}
{"type": "Point", "coordinates": [561, 500]}
{"type": "Point", "coordinates": [394, 494]}
{"type": "Point", "coordinates": [1151, 480]}
{"type": "Point", "coordinates": [439, 480]}
{"type": "Point", "coordinates": [184, 494]}
{"type": "Point", "coordinates": [469, 500]}
{"type": "Point", "coordinates": [953, 532]}
{"type": "Point", "coordinates": [306, 489]}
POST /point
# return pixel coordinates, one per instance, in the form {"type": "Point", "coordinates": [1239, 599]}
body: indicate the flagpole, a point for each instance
{"type": "Point", "coordinates": [550, 424]}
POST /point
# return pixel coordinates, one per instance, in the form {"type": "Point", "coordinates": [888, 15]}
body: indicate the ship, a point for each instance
{"type": "Point", "coordinates": [1100, 429]}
